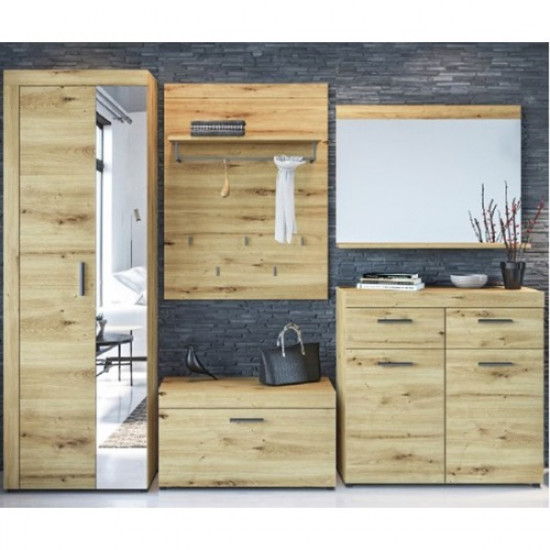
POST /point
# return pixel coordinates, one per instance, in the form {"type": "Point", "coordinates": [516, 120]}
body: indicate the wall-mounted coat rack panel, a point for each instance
{"type": "Point", "coordinates": [223, 247]}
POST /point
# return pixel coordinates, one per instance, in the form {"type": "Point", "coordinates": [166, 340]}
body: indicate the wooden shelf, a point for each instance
{"type": "Point", "coordinates": [185, 139]}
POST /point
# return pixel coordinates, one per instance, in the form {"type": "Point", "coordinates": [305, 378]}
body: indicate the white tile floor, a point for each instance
{"type": "Point", "coordinates": [119, 468]}
{"type": "Point", "coordinates": [378, 496]}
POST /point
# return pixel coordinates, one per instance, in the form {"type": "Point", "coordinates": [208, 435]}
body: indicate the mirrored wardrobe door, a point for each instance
{"type": "Point", "coordinates": [121, 283]}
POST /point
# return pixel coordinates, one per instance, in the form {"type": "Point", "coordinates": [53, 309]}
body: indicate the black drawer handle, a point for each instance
{"type": "Point", "coordinates": [395, 320]}
{"type": "Point", "coordinates": [395, 363]}
{"type": "Point", "coordinates": [496, 364]}
{"type": "Point", "coordinates": [495, 320]}
{"type": "Point", "coordinates": [236, 420]}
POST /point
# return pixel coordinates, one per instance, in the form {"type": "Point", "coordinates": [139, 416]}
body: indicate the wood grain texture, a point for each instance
{"type": "Point", "coordinates": [57, 168]}
{"type": "Point", "coordinates": [513, 328]}
{"type": "Point", "coordinates": [152, 278]}
{"type": "Point", "coordinates": [428, 111]}
{"type": "Point", "coordinates": [11, 286]}
{"type": "Point", "coordinates": [287, 448]}
{"type": "Point", "coordinates": [394, 417]}
{"type": "Point", "coordinates": [245, 91]}
{"type": "Point", "coordinates": [48, 104]}
{"type": "Point", "coordinates": [495, 417]}
{"type": "Point", "coordinates": [194, 208]}
{"type": "Point", "coordinates": [77, 77]}
{"type": "Point", "coordinates": [57, 325]}
{"type": "Point", "coordinates": [383, 327]}
{"type": "Point", "coordinates": [242, 392]}
{"type": "Point", "coordinates": [448, 297]}
{"type": "Point", "coordinates": [490, 399]}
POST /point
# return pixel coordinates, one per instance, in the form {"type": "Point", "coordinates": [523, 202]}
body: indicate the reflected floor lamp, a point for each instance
{"type": "Point", "coordinates": [135, 215]}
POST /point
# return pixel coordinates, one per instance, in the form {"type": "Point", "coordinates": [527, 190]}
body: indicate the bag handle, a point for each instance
{"type": "Point", "coordinates": [281, 337]}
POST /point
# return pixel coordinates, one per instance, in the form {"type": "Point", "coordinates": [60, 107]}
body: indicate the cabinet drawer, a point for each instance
{"type": "Point", "coordinates": [519, 328]}
{"type": "Point", "coordinates": [494, 416]}
{"type": "Point", "coordinates": [394, 417]}
{"type": "Point", "coordinates": [247, 447]}
{"type": "Point", "coordinates": [394, 327]}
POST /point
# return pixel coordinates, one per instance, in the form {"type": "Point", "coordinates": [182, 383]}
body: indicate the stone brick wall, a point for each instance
{"type": "Point", "coordinates": [228, 335]}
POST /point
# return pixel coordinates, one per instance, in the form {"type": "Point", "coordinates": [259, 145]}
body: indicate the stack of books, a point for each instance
{"type": "Point", "coordinates": [391, 281]}
{"type": "Point", "coordinates": [217, 127]}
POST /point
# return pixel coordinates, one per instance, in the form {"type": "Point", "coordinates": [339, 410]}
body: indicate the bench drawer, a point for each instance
{"type": "Point", "coordinates": [247, 447]}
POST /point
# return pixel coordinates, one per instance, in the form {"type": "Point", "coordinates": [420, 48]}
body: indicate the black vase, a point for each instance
{"type": "Point", "coordinates": [512, 274]}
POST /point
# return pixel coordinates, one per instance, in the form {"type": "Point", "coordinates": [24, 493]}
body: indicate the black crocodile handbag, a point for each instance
{"type": "Point", "coordinates": [287, 365]}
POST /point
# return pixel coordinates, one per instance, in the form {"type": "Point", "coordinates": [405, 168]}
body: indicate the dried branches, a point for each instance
{"type": "Point", "coordinates": [509, 225]}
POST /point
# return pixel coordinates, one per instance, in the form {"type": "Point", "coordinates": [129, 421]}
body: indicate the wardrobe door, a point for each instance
{"type": "Point", "coordinates": [57, 288]}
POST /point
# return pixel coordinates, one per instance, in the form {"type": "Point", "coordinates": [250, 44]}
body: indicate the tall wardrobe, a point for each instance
{"type": "Point", "coordinates": [49, 275]}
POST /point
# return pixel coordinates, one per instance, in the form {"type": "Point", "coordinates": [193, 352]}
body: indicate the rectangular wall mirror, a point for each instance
{"type": "Point", "coordinates": [407, 176]}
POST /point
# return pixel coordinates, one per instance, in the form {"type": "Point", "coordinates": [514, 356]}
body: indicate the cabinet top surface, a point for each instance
{"type": "Point", "coordinates": [243, 392]}
{"type": "Point", "coordinates": [442, 297]}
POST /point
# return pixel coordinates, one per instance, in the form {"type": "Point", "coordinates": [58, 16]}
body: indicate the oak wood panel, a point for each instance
{"type": "Point", "coordinates": [288, 447]}
{"type": "Point", "coordinates": [77, 77]}
{"type": "Point", "coordinates": [57, 382]}
{"type": "Point", "coordinates": [57, 326]}
{"type": "Point", "coordinates": [494, 416]}
{"type": "Point", "coordinates": [57, 168]}
{"type": "Point", "coordinates": [394, 417]}
{"type": "Point", "coordinates": [245, 90]}
{"type": "Point", "coordinates": [278, 118]}
{"type": "Point", "coordinates": [194, 207]}
{"type": "Point", "coordinates": [341, 377]}
{"type": "Point", "coordinates": [448, 297]}
{"type": "Point", "coordinates": [495, 328]}
{"type": "Point", "coordinates": [152, 278]}
{"type": "Point", "coordinates": [382, 327]}
{"type": "Point", "coordinates": [428, 111]}
{"type": "Point", "coordinates": [53, 454]}
{"type": "Point", "coordinates": [11, 286]}
{"type": "Point", "coordinates": [242, 392]}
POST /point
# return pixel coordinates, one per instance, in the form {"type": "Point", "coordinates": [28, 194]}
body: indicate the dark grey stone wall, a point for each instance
{"type": "Point", "coordinates": [227, 335]}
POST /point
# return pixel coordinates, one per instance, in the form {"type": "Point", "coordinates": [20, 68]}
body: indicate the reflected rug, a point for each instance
{"type": "Point", "coordinates": [132, 433]}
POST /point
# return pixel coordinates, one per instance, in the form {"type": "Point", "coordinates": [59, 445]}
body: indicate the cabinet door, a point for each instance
{"type": "Point", "coordinates": [57, 317]}
{"type": "Point", "coordinates": [392, 422]}
{"type": "Point", "coordinates": [494, 416]}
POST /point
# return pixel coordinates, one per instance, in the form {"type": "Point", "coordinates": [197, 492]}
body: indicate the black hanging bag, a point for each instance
{"type": "Point", "coordinates": [288, 365]}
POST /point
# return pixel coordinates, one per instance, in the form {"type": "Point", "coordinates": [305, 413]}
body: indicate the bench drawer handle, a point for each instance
{"type": "Point", "coordinates": [395, 320]}
{"type": "Point", "coordinates": [495, 364]}
{"type": "Point", "coordinates": [495, 320]}
{"type": "Point", "coordinates": [395, 363]}
{"type": "Point", "coordinates": [244, 420]}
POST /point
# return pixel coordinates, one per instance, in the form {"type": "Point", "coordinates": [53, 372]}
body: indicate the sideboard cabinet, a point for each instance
{"type": "Point", "coordinates": [442, 385]}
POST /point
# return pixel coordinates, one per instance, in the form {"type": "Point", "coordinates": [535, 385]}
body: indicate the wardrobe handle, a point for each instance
{"type": "Point", "coordinates": [495, 364]}
{"type": "Point", "coordinates": [395, 363]}
{"type": "Point", "coordinates": [395, 320]}
{"type": "Point", "coordinates": [495, 320]}
{"type": "Point", "coordinates": [244, 420]}
{"type": "Point", "coordinates": [81, 278]}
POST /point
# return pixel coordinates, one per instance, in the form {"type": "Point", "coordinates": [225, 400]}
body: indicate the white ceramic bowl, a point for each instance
{"type": "Point", "coordinates": [475, 280]}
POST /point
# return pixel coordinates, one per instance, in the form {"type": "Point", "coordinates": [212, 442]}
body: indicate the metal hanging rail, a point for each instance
{"type": "Point", "coordinates": [237, 158]}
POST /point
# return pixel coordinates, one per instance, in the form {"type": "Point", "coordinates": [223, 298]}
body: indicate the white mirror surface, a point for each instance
{"type": "Point", "coordinates": [414, 180]}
